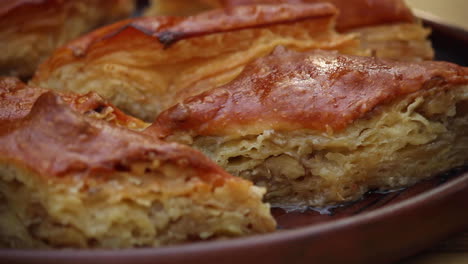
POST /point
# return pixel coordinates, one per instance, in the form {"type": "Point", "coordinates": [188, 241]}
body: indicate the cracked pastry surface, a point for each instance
{"type": "Point", "coordinates": [146, 65]}
{"type": "Point", "coordinates": [386, 27]}
{"type": "Point", "coordinates": [68, 180]}
{"type": "Point", "coordinates": [321, 128]}
{"type": "Point", "coordinates": [31, 30]}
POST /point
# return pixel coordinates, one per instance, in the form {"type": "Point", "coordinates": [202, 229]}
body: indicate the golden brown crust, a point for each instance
{"type": "Point", "coordinates": [17, 100]}
{"type": "Point", "coordinates": [386, 28]}
{"type": "Point", "coordinates": [25, 10]}
{"type": "Point", "coordinates": [55, 141]}
{"type": "Point", "coordinates": [31, 29]}
{"type": "Point", "coordinates": [288, 90]}
{"type": "Point", "coordinates": [165, 31]}
{"type": "Point", "coordinates": [353, 14]}
{"type": "Point", "coordinates": [251, 16]}
{"type": "Point", "coordinates": [71, 180]}
{"type": "Point", "coordinates": [146, 65]}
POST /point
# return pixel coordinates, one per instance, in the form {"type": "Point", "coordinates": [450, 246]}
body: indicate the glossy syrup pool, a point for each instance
{"type": "Point", "coordinates": [290, 219]}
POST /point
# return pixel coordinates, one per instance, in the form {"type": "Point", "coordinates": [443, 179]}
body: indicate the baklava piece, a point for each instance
{"type": "Point", "coordinates": [146, 65]}
{"type": "Point", "coordinates": [321, 128]}
{"type": "Point", "coordinates": [69, 180]}
{"type": "Point", "coordinates": [31, 30]}
{"type": "Point", "coordinates": [386, 27]}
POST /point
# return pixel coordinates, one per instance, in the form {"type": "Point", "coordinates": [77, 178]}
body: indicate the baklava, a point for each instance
{"type": "Point", "coordinates": [71, 180]}
{"type": "Point", "coordinates": [31, 30]}
{"type": "Point", "coordinates": [320, 128]}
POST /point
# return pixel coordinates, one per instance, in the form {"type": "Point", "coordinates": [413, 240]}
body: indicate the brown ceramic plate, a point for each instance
{"type": "Point", "coordinates": [381, 228]}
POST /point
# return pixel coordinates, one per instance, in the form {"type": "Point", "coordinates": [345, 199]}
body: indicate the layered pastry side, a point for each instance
{"type": "Point", "coordinates": [386, 27]}
{"type": "Point", "coordinates": [146, 65]}
{"type": "Point", "coordinates": [17, 99]}
{"type": "Point", "coordinates": [320, 128]}
{"type": "Point", "coordinates": [31, 30]}
{"type": "Point", "coordinates": [71, 179]}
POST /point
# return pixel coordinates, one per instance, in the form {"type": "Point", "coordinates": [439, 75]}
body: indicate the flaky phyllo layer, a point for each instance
{"type": "Point", "coordinates": [321, 128]}
{"type": "Point", "coordinates": [392, 147]}
{"type": "Point", "coordinates": [31, 30]}
{"type": "Point", "coordinates": [73, 174]}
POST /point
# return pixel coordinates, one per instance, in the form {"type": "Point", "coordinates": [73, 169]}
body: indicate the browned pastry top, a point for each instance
{"type": "Point", "coordinates": [16, 100]}
{"type": "Point", "coordinates": [318, 90]}
{"type": "Point", "coordinates": [51, 138]}
{"type": "Point", "coordinates": [249, 16]}
{"type": "Point", "coordinates": [167, 30]}
{"type": "Point", "coordinates": [8, 6]}
{"type": "Point", "coordinates": [353, 13]}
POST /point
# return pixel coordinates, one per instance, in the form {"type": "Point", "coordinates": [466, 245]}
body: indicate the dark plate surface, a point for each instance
{"type": "Point", "coordinates": [381, 228]}
{"type": "Point", "coordinates": [449, 42]}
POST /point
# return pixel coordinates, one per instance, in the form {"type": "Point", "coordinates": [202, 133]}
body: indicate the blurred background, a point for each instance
{"type": "Point", "coordinates": [453, 12]}
{"type": "Point", "coordinates": [449, 20]}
